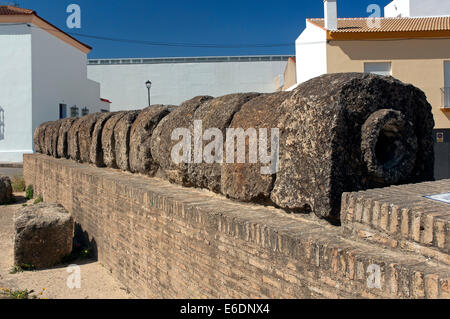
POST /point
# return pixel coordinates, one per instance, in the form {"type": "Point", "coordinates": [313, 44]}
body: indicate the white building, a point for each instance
{"type": "Point", "coordinates": [175, 80]}
{"type": "Point", "coordinates": [43, 77]}
{"type": "Point", "coordinates": [417, 8]}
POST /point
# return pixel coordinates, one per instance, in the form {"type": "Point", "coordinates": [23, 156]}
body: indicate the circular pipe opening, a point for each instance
{"type": "Point", "coordinates": [389, 149]}
{"type": "Point", "coordinates": [389, 146]}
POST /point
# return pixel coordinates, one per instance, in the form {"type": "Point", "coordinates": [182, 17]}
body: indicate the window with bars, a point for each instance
{"type": "Point", "coordinates": [74, 111]}
{"type": "Point", "coordinates": [84, 111]}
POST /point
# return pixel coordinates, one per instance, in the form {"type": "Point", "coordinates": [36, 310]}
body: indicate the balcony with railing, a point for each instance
{"type": "Point", "coordinates": [445, 99]}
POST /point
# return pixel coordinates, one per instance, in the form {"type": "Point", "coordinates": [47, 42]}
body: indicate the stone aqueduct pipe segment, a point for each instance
{"type": "Point", "coordinates": [338, 133]}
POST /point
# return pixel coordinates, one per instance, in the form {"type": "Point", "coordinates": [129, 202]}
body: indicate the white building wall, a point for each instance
{"type": "Point", "coordinates": [15, 93]}
{"type": "Point", "coordinates": [417, 8]}
{"type": "Point", "coordinates": [59, 77]}
{"type": "Point", "coordinates": [397, 8]}
{"type": "Point", "coordinates": [38, 72]}
{"type": "Point", "coordinates": [174, 83]}
{"type": "Point", "coordinates": [311, 53]}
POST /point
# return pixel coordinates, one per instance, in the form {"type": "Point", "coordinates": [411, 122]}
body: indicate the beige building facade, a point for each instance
{"type": "Point", "coordinates": [414, 48]}
{"type": "Point", "coordinates": [421, 62]}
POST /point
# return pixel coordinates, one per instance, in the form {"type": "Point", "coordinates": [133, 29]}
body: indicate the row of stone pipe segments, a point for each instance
{"type": "Point", "coordinates": [337, 133]}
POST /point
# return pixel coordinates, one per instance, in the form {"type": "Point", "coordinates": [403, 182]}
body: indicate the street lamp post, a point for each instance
{"type": "Point", "coordinates": [149, 86]}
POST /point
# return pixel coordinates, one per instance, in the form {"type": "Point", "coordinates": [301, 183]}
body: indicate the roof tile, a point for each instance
{"type": "Point", "coordinates": [356, 25]}
{"type": "Point", "coordinates": [11, 10]}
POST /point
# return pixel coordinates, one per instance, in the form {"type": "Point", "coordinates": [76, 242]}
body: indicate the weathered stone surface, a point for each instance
{"type": "Point", "coordinates": [73, 144]}
{"type": "Point", "coordinates": [43, 235]}
{"type": "Point", "coordinates": [388, 139]}
{"type": "Point", "coordinates": [338, 133]}
{"type": "Point", "coordinates": [213, 114]}
{"type": "Point", "coordinates": [122, 139]}
{"type": "Point", "coordinates": [335, 139]}
{"type": "Point", "coordinates": [62, 150]}
{"type": "Point", "coordinates": [36, 144]}
{"type": "Point", "coordinates": [36, 138]}
{"type": "Point", "coordinates": [162, 144]}
{"type": "Point", "coordinates": [244, 181]}
{"type": "Point", "coordinates": [96, 151]}
{"type": "Point", "coordinates": [54, 138]}
{"type": "Point", "coordinates": [108, 140]}
{"type": "Point", "coordinates": [48, 133]}
{"type": "Point", "coordinates": [51, 138]}
{"type": "Point", "coordinates": [5, 190]}
{"type": "Point", "coordinates": [85, 132]}
{"type": "Point", "coordinates": [140, 157]}
{"type": "Point", "coordinates": [41, 136]}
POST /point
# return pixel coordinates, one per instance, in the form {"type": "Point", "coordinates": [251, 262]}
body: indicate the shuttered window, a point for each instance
{"type": "Point", "coordinates": [380, 68]}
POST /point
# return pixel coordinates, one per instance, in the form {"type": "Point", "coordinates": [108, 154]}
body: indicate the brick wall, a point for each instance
{"type": "Point", "coordinates": [165, 241]}
{"type": "Point", "coordinates": [401, 218]}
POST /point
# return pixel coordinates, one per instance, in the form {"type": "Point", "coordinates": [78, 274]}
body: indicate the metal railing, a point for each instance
{"type": "Point", "coordinates": [446, 97]}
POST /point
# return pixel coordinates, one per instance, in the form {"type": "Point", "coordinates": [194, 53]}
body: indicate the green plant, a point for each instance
{"type": "Point", "coordinates": [18, 184]}
{"type": "Point", "coordinates": [6, 293]}
{"type": "Point", "coordinates": [38, 200]}
{"type": "Point", "coordinates": [29, 193]}
{"type": "Point", "coordinates": [21, 268]}
{"type": "Point", "coordinates": [87, 253]}
{"type": "Point", "coordinates": [79, 252]}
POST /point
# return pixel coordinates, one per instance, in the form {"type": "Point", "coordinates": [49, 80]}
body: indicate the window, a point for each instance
{"type": "Point", "coordinates": [74, 111]}
{"type": "Point", "coordinates": [62, 111]}
{"type": "Point", "coordinates": [84, 111]}
{"type": "Point", "coordinates": [446, 88]}
{"type": "Point", "coordinates": [380, 68]}
{"type": "Point", "coordinates": [104, 111]}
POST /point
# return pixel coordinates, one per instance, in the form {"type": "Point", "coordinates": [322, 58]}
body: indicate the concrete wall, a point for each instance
{"type": "Point", "coordinates": [173, 83]}
{"type": "Point", "coordinates": [419, 62]}
{"type": "Point", "coordinates": [311, 53]}
{"type": "Point", "coordinates": [164, 241]}
{"type": "Point", "coordinates": [290, 74]}
{"type": "Point", "coordinates": [417, 8]}
{"type": "Point", "coordinates": [15, 93]}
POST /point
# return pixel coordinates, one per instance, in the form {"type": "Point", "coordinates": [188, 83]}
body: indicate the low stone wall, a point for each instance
{"type": "Point", "coordinates": [164, 241]}
{"type": "Point", "coordinates": [400, 217]}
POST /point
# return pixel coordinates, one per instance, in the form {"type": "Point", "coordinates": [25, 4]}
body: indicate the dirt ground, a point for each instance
{"type": "Point", "coordinates": [96, 281]}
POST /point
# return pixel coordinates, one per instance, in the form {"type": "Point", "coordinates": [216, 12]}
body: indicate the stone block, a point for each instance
{"type": "Point", "coordinates": [43, 235]}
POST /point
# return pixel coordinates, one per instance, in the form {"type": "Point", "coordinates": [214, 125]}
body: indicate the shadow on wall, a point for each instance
{"type": "Point", "coordinates": [2, 124]}
{"type": "Point", "coordinates": [82, 241]}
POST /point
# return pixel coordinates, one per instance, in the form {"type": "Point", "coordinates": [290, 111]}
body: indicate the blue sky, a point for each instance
{"type": "Point", "coordinates": [199, 21]}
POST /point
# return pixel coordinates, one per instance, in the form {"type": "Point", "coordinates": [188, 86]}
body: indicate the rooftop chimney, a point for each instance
{"type": "Point", "coordinates": [330, 14]}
